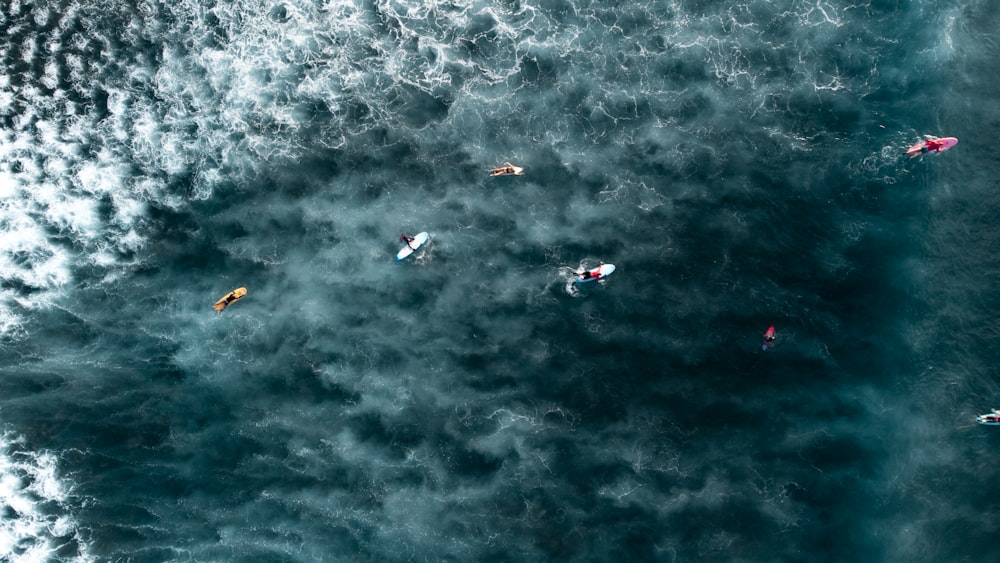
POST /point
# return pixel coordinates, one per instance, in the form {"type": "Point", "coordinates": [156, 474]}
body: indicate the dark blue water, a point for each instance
{"type": "Point", "coordinates": [740, 163]}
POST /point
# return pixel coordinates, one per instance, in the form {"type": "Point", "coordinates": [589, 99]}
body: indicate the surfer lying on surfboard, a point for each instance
{"type": "Point", "coordinates": [232, 297]}
{"type": "Point", "coordinates": [506, 169]}
{"type": "Point", "coordinates": [932, 144]}
{"type": "Point", "coordinates": [597, 274]}
{"type": "Point", "coordinates": [992, 419]}
{"type": "Point", "coordinates": [769, 337]}
{"type": "Point", "coordinates": [406, 239]}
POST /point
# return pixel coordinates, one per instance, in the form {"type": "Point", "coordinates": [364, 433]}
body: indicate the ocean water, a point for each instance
{"type": "Point", "coordinates": [739, 162]}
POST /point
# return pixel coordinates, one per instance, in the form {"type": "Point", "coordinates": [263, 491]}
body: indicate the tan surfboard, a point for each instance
{"type": "Point", "coordinates": [229, 299]}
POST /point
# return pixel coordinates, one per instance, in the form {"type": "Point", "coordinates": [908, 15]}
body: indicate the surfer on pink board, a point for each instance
{"type": "Point", "coordinates": [769, 338]}
{"type": "Point", "coordinates": [933, 144]}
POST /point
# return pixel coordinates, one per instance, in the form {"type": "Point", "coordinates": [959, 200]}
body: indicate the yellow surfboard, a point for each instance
{"type": "Point", "coordinates": [229, 299]}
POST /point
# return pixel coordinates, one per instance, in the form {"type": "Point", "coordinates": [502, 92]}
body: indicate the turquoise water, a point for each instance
{"type": "Point", "coordinates": [740, 164]}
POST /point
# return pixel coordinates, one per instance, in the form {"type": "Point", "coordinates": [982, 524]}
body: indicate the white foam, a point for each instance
{"type": "Point", "coordinates": [51, 190]}
{"type": "Point", "coordinates": [30, 486]}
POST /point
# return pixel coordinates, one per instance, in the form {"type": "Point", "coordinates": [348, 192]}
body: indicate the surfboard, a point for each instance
{"type": "Point", "coordinates": [518, 171]}
{"type": "Point", "coordinates": [992, 419]}
{"type": "Point", "coordinates": [768, 338]}
{"type": "Point", "coordinates": [409, 249]}
{"type": "Point", "coordinates": [946, 143]}
{"type": "Point", "coordinates": [230, 298]}
{"type": "Point", "coordinates": [503, 170]}
{"type": "Point", "coordinates": [602, 271]}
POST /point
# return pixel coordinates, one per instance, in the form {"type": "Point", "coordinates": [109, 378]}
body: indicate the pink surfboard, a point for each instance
{"type": "Point", "coordinates": [769, 337]}
{"type": "Point", "coordinates": [932, 145]}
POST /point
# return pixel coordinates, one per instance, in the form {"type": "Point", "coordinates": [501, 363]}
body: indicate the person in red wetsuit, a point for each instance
{"type": "Point", "coordinates": [596, 274]}
{"type": "Point", "coordinates": [932, 145]}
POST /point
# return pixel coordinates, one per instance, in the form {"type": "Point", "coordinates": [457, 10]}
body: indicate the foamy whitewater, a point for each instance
{"type": "Point", "coordinates": [741, 163]}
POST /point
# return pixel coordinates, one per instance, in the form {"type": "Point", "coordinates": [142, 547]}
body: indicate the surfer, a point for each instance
{"type": "Point", "coordinates": [506, 169]}
{"type": "Point", "coordinates": [595, 273]}
{"type": "Point", "coordinates": [992, 418]}
{"type": "Point", "coordinates": [769, 337]}
{"type": "Point", "coordinates": [932, 144]}
{"type": "Point", "coordinates": [412, 244]}
{"type": "Point", "coordinates": [232, 296]}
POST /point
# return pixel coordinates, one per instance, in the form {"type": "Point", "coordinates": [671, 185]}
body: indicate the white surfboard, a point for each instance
{"type": "Point", "coordinates": [409, 249]}
{"type": "Point", "coordinates": [602, 272]}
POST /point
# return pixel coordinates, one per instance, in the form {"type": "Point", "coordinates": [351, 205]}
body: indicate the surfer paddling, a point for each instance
{"type": "Point", "coordinates": [407, 240]}
{"type": "Point", "coordinates": [232, 297]}
{"type": "Point", "coordinates": [992, 419]}
{"type": "Point", "coordinates": [769, 337]}
{"type": "Point", "coordinates": [597, 274]}
{"type": "Point", "coordinates": [507, 169]}
{"type": "Point", "coordinates": [932, 144]}
{"type": "Point", "coordinates": [594, 274]}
